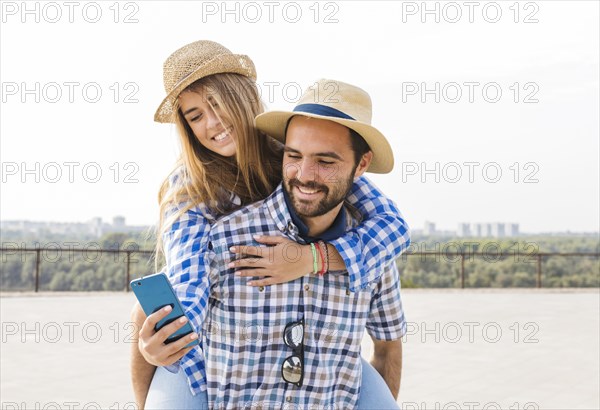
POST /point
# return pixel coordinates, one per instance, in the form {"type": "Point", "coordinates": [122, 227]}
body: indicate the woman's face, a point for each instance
{"type": "Point", "coordinates": [200, 110]}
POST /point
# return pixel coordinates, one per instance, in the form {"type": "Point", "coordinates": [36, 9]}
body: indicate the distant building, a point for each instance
{"type": "Point", "coordinates": [119, 225]}
{"type": "Point", "coordinates": [464, 230]}
{"type": "Point", "coordinates": [94, 227]}
{"type": "Point", "coordinates": [498, 230]}
{"type": "Point", "coordinates": [486, 230]}
{"type": "Point", "coordinates": [119, 221]}
{"type": "Point", "coordinates": [429, 228]}
{"type": "Point", "coordinates": [476, 230]}
{"type": "Point", "coordinates": [513, 230]}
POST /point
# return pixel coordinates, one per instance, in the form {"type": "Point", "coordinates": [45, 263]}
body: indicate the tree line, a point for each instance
{"type": "Point", "coordinates": [502, 263]}
{"type": "Point", "coordinates": [497, 263]}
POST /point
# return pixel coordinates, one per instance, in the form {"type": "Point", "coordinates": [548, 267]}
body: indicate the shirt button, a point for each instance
{"type": "Point", "coordinates": [347, 292]}
{"type": "Point", "coordinates": [288, 399]}
{"type": "Point", "coordinates": [306, 287]}
{"type": "Point", "coordinates": [261, 288]}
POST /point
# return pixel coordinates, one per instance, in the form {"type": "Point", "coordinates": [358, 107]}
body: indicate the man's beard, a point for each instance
{"type": "Point", "coordinates": [331, 197]}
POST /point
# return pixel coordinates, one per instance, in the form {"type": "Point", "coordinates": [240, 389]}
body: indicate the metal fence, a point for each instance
{"type": "Point", "coordinates": [38, 251]}
{"type": "Point", "coordinates": [469, 255]}
{"type": "Point", "coordinates": [462, 255]}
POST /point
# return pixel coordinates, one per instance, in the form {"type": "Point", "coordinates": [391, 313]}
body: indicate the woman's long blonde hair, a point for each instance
{"type": "Point", "coordinates": [205, 177]}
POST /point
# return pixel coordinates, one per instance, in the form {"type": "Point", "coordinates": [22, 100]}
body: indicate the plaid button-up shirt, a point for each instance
{"type": "Point", "coordinates": [243, 333]}
{"type": "Point", "coordinates": [366, 249]}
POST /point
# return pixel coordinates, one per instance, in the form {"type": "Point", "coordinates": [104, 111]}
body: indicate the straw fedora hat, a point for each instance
{"type": "Point", "coordinates": [339, 102]}
{"type": "Point", "coordinates": [193, 62]}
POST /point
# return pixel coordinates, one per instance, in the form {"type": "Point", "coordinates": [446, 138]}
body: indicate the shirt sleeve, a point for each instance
{"type": "Point", "coordinates": [184, 243]}
{"type": "Point", "coordinates": [378, 241]}
{"type": "Point", "coordinates": [386, 318]}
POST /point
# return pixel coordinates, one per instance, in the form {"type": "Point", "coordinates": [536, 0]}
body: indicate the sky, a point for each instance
{"type": "Point", "coordinates": [491, 108]}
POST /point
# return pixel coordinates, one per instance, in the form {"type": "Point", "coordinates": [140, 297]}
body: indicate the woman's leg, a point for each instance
{"type": "Point", "coordinates": [374, 393]}
{"type": "Point", "coordinates": [171, 391]}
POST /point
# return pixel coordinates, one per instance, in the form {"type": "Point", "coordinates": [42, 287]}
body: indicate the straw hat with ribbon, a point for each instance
{"type": "Point", "coordinates": [339, 102]}
{"type": "Point", "coordinates": [193, 62]}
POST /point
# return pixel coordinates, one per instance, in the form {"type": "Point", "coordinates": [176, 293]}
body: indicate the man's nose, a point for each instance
{"type": "Point", "coordinates": [307, 170]}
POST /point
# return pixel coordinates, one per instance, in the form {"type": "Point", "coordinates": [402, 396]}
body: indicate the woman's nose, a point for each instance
{"type": "Point", "coordinates": [213, 121]}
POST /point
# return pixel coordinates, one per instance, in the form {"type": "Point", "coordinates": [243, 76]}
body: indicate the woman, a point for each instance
{"type": "Point", "coordinates": [226, 163]}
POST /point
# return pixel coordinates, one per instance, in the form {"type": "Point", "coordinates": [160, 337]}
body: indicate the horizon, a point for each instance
{"type": "Point", "coordinates": [439, 231]}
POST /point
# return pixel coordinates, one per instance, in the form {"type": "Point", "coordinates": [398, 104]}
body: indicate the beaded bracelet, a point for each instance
{"type": "Point", "coordinates": [325, 258]}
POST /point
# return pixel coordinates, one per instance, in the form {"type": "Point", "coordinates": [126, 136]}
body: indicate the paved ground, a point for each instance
{"type": "Point", "coordinates": [471, 349]}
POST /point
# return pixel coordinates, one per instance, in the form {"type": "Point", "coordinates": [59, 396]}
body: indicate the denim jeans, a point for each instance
{"type": "Point", "coordinates": [374, 393]}
{"type": "Point", "coordinates": [171, 391]}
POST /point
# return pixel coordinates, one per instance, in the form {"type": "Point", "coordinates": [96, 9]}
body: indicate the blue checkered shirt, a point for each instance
{"type": "Point", "coordinates": [367, 249]}
{"type": "Point", "coordinates": [243, 332]}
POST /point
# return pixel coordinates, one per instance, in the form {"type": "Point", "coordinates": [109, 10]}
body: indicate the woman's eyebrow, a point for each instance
{"type": "Point", "coordinates": [190, 110]}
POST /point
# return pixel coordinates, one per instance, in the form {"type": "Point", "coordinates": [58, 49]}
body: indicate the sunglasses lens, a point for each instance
{"type": "Point", "coordinates": [294, 335]}
{"type": "Point", "coordinates": [292, 370]}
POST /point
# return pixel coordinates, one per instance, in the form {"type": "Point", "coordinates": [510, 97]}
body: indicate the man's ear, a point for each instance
{"type": "Point", "coordinates": [363, 164]}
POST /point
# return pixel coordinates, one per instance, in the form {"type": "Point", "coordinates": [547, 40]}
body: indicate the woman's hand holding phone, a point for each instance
{"type": "Point", "coordinates": [152, 343]}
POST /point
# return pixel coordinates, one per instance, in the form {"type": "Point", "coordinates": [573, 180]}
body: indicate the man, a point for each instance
{"type": "Point", "coordinates": [297, 344]}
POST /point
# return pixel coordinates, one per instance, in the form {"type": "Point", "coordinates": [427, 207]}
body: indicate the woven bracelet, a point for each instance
{"type": "Point", "coordinates": [326, 256]}
{"type": "Point", "coordinates": [322, 255]}
{"type": "Point", "coordinates": [314, 254]}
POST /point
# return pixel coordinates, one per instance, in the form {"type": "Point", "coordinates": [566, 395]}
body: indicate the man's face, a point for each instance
{"type": "Point", "coordinates": [318, 165]}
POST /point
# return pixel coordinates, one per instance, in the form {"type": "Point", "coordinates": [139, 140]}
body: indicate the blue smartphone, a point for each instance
{"type": "Point", "coordinates": [154, 292]}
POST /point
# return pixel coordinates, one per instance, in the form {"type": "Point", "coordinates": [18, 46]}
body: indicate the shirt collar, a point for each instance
{"type": "Point", "coordinates": [288, 222]}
